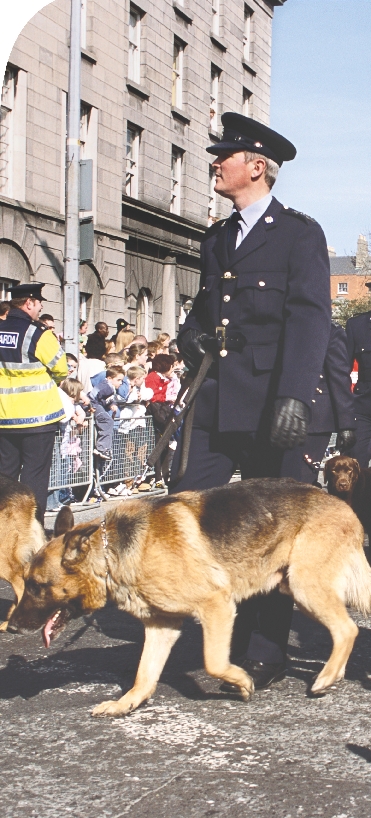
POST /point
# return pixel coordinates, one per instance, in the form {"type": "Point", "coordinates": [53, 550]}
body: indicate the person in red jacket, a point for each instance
{"type": "Point", "coordinates": [158, 380]}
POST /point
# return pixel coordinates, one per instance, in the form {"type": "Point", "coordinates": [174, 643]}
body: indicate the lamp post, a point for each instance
{"type": "Point", "coordinates": [71, 292]}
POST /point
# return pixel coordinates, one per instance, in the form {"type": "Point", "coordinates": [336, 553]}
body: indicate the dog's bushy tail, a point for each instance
{"type": "Point", "coordinates": [357, 577]}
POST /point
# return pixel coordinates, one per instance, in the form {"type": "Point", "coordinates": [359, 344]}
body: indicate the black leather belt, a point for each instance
{"type": "Point", "coordinates": [229, 340]}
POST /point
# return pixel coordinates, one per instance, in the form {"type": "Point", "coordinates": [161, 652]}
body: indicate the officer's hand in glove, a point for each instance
{"type": "Point", "coordinates": [192, 347]}
{"type": "Point", "coordinates": [345, 440]}
{"type": "Point", "coordinates": [290, 423]}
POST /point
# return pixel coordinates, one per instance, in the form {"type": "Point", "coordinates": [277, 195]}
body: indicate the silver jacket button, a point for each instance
{"type": "Point", "coordinates": [227, 274]}
{"type": "Point", "coordinates": [313, 401]}
{"type": "Point", "coordinates": [223, 353]}
{"type": "Point", "coordinates": [226, 297]}
{"type": "Point", "coordinates": [225, 322]}
{"type": "Point", "coordinates": [261, 283]}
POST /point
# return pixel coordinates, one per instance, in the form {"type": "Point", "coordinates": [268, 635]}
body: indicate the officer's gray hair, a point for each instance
{"type": "Point", "coordinates": [271, 168]}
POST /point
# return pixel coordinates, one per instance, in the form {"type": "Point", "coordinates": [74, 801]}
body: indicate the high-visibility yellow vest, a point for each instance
{"type": "Point", "coordinates": [29, 355]}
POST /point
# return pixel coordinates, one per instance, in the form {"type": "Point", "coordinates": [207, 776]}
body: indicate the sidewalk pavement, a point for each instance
{"type": "Point", "coordinates": [191, 751]}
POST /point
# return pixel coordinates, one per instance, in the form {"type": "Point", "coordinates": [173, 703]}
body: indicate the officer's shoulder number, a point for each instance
{"type": "Point", "coordinates": [298, 214]}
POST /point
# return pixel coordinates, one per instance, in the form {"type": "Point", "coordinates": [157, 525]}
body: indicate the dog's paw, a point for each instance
{"type": "Point", "coordinates": [324, 681]}
{"type": "Point", "coordinates": [112, 708]}
{"type": "Point", "coordinates": [4, 626]}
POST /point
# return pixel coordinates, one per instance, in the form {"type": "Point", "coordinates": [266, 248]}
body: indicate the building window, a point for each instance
{"type": "Point", "coordinates": [85, 113]}
{"type": "Point", "coordinates": [186, 304]}
{"type": "Point", "coordinates": [6, 131]}
{"type": "Point", "coordinates": [247, 102]}
{"type": "Point", "coordinates": [178, 54]}
{"type": "Point", "coordinates": [342, 288]}
{"type": "Point", "coordinates": [134, 45]}
{"type": "Point", "coordinates": [216, 16]}
{"type": "Point", "coordinates": [89, 146]}
{"type": "Point", "coordinates": [84, 306]}
{"type": "Point", "coordinates": [214, 97]}
{"type": "Point", "coordinates": [247, 33]}
{"type": "Point", "coordinates": [13, 134]}
{"type": "Point", "coordinates": [144, 314]}
{"type": "Point", "coordinates": [4, 289]}
{"type": "Point", "coordinates": [176, 180]}
{"type": "Point", "coordinates": [84, 4]}
{"type": "Point", "coordinates": [132, 161]}
{"type": "Point", "coordinates": [211, 213]}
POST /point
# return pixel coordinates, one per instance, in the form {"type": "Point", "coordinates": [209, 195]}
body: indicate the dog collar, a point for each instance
{"type": "Point", "coordinates": [105, 544]}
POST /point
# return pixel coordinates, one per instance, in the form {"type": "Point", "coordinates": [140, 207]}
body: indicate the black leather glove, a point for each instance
{"type": "Point", "coordinates": [290, 423]}
{"type": "Point", "coordinates": [192, 347]}
{"type": "Point", "coordinates": [345, 440]}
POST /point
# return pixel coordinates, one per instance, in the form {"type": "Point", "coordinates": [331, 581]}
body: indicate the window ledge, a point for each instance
{"type": "Point", "coordinates": [179, 114]}
{"type": "Point", "coordinates": [139, 90]}
{"type": "Point", "coordinates": [88, 56]}
{"type": "Point", "coordinates": [250, 68]}
{"type": "Point", "coordinates": [218, 41]}
{"type": "Point", "coordinates": [182, 12]}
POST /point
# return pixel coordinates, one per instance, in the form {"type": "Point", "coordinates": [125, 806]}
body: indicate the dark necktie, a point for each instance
{"type": "Point", "coordinates": [234, 224]}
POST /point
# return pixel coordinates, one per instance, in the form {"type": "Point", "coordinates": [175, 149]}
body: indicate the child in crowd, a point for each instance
{"type": "Point", "coordinates": [158, 378]}
{"type": "Point", "coordinates": [104, 402]}
{"type": "Point", "coordinates": [161, 408]}
{"type": "Point", "coordinates": [134, 414]}
{"type": "Point", "coordinates": [71, 394]}
{"type": "Point", "coordinates": [72, 365]}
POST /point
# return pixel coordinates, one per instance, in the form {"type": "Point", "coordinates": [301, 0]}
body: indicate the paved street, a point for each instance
{"type": "Point", "coordinates": [191, 751]}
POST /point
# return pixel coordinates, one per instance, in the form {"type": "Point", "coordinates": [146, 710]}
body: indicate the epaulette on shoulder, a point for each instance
{"type": "Point", "coordinates": [215, 227]}
{"type": "Point", "coordinates": [298, 215]}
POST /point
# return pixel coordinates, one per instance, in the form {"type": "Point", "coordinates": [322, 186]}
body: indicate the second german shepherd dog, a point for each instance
{"type": "Point", "coordinates": [197, 554]}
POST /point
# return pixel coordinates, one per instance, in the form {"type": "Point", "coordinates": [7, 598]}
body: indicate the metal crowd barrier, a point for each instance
{"type": "Point", "coordinates": [130, 452]}
{"type": "Point", "coordinates": [72, 463]}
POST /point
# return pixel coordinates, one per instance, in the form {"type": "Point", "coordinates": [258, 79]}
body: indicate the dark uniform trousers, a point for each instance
{"type": "Point", "coordinates": [27, 456]}
{"type": "Point", "coordinates": [358, 331]}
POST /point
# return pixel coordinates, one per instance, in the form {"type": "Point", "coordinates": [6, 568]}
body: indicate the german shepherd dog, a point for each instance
{"type": "Point", "coordinates": [197, 554]}
{"type": "Point", "coordinates": [21, 535]}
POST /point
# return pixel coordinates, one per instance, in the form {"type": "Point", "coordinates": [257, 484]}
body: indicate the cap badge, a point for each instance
{"type": "Point", "coordinates": [258, 145]}
{"type": "Point", "coordinates": [269, 219]}
{"type": "Point", "coordinates": [237, 138]}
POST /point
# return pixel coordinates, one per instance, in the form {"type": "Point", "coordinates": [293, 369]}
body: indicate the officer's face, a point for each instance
{"type": "Point", "coordinates": [34, 308]}
{"type": "Point", "coordinates": [233, 174]}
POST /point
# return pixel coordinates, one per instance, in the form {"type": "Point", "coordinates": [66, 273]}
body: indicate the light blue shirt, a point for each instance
{"type": "Point", "coordinates": [250, 215]}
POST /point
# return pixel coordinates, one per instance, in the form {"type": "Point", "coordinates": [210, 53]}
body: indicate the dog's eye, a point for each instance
{"type": "Point", "coordinates": [34, 588]}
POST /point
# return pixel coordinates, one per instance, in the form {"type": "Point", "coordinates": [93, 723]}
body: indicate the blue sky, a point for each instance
{"type": "Point", "coordinates": [321, 101]}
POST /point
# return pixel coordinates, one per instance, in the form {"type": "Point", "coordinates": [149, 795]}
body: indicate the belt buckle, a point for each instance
{"type": "Point", "coordinates": [221, 338]}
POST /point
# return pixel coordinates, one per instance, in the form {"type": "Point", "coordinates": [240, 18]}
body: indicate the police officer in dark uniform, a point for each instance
{"type": "Point", "coordinates": [332, 410]}
{"type": "Point", "coordinates": [264, 310]}
{"type": "Point", "coordinates": [358, 330]}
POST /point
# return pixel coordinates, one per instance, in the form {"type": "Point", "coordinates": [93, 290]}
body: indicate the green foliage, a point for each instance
{"type": "Point", "coordinates": [344, 309]}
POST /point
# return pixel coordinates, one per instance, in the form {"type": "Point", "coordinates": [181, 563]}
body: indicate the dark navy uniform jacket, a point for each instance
{"type": "Point", "coordinates": [358, 331]}
{"type": "Point", "coordinates": [333, 405]}
{"type": "Point", "coordinates": [275, 293]}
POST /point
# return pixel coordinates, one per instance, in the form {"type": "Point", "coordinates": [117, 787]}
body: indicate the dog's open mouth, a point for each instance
{"type": "Point", "coordinates": [54, 626]}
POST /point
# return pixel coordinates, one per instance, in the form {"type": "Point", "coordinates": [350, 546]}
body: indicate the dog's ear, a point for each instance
{"type": "Point", "coordinates": [64, 521]}
{"type": "Point", "coordinates": [77, 544]}
{"type": "Point", "coordinates": [357, 468]}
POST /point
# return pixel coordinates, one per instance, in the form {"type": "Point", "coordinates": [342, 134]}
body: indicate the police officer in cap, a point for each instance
{"type": "Point", "coordinates": [264, 310]}
{"type": "Point", "coordinates": [32, 362]}
{"type": "Point", "coordinates": [121, 323]}
{"type": "Point", "coordinates": [358, 330]}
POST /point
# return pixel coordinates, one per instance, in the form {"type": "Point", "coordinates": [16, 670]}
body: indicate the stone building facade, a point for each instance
{"type": "Point", "coordinates": [155, 79]}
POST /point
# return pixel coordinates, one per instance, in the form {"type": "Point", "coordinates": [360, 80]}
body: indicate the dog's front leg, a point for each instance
{"type": "Point", "coordinates": [160, 636]}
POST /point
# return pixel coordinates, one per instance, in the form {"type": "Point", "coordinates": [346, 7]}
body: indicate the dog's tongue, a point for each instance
{"type": "Point", "coordinates": [47, 632]}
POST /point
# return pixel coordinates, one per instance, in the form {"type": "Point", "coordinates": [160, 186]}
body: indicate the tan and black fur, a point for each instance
{"type": "Point", "coordinates": [198, 554]}
{"type": "Point", "coordinates": [21, 535]}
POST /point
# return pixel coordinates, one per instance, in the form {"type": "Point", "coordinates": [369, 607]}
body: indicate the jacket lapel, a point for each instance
{"type": "Point", "coordinates": [258, 234]}
{"type": "Point", "coordinates": [220, 248]}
